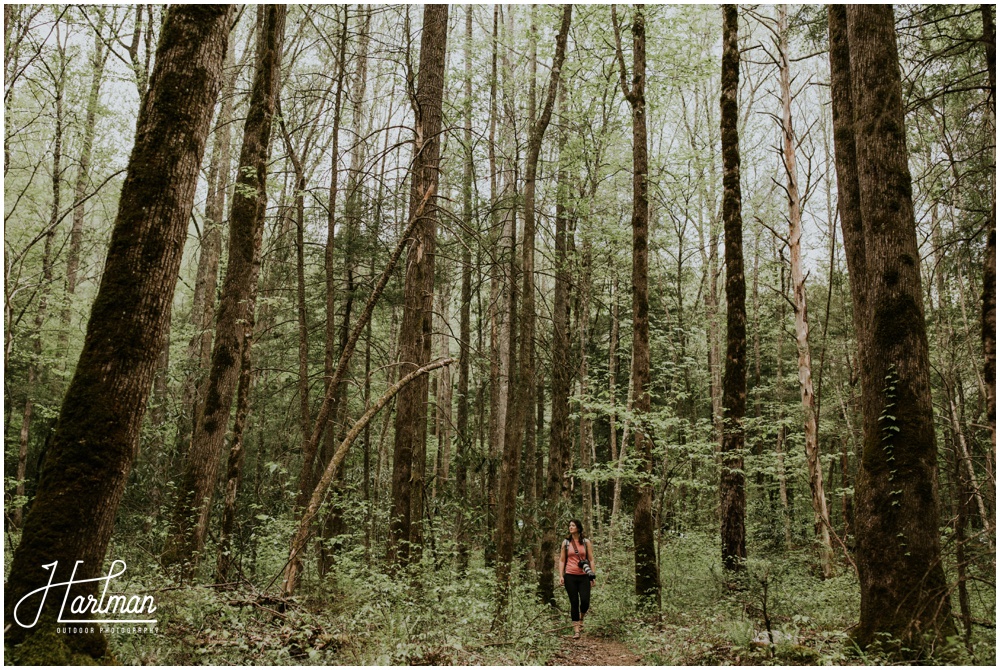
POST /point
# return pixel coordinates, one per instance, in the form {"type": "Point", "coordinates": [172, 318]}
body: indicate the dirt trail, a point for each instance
{"type": "Point", "coordinates": [591, 650]}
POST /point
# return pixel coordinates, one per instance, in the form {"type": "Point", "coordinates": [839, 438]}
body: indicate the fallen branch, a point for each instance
{"type": "Point", "coordinates": [847, 553]}
{"type": "Point", "coordinates": [292, 565]}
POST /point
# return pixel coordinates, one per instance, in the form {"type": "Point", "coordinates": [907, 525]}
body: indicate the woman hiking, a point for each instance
{"type": "Point", "coordinates": [576, 572]}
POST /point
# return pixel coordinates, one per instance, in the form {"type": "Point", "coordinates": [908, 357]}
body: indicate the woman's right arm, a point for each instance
{"type": "Point", "coordinates": [562, 562]}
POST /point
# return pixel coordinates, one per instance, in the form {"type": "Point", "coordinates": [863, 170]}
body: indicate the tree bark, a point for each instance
{"type": "Point", "coordinates": [734, 383]}
{"type": "Point", "coordinates": [96, 438]}
{"type": "Point", "coordinates": [418, 294]}
{"type": "Point", "coordinates": [246, 223]}
{"type": "Point", "coordinates": [560, 439]}
{"type": "Point", "coordinates": [903, 588]}
{"type": "Point", "coordinates": [444, 392]}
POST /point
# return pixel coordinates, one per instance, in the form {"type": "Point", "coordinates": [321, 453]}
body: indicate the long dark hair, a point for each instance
{"type": "Point", "coordinates": [579, 530]}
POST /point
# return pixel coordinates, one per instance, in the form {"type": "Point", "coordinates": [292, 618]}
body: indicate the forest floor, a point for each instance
{"type": "Point", "coordinates": [593, 650]}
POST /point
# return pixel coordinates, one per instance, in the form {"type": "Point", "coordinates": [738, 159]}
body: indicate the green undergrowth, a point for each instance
{"type": "Point", "coordinates": [706, 619]}
{"type": "Point", "coordinates": [357, 614]}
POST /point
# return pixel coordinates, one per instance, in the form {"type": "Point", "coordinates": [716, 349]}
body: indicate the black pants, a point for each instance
{"type": "Point", "coordinates": [578, 588]}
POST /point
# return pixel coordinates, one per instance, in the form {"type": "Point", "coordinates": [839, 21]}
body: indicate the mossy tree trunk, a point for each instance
{"type": "Point", "coordinates": [246, 226]}
{"type": "Point", "coordinates": [734, 383]}
{"type": "Point", "coordinates": [904, 594]}
{"type": "Point", "coordinates": [96, 438]}
{"type": "Point", "coordinates": [647, 579]}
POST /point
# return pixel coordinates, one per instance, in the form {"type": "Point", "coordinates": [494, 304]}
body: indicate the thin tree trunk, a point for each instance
{"type": "Point", "coordinates": [306, 477]}
{"type": "Point", "coordinates": [500, 295]}
{"type": "Point", "coordinates": [559, 427]}
{"type": "Point", "coordinates": [91, 454]}
{"type": "Point", "coordinates": [191, 515]}
{"type": "Point", "coordinates": [961, 561]}
{"type": "Point", "coordinates": [786, 515]}
{"type": "Point", "coordinates": [300, 279]}
{"type": "Point", "coordinates": [520, 412]}
{"type": "Point", "coordinates": [821, 523]}
{"type": "Point", "coordinates": [334, 523]}
{"type": "Point", "coordinates": [734, 384]}
{"type": "Point", "coordinates": [465, 326]}
{"type": "Point", "coordinates": [98, 61]}
{"type": "Point", "coordinates": [199, 350]}
{"type": "Point", "coordinates": [612, 398]}
{"type": "Point", "coordinates": [970, 472]}
{"type": "Point", "coordinates": [46, 283]}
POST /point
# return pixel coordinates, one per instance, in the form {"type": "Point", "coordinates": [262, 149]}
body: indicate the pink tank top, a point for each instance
{"type": "Point", "coordinates": [572, 559]}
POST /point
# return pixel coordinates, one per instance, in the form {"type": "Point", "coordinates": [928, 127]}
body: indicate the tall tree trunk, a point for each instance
{"type": "Point", "coordinates": [501, 281]}
{"type": "Point", "coordinates": [465, 325]}
{"type": "Point", "coordinates": [734, 384]}
{"type": "Point", "coordinates": [586, 426]}
{"type": "Point", "coordinates": [903, 588]}
{"type": "Point", "coordinates": [416, 327]}
{"type": "Point", "coordinates": [612, 398]}
{"type": "Point", "coordinates": [306, 476]}
{"type": "Point", "coordinates": [809, 410]}
{"type": "Point", "coordinates": [246, 228]}
{"type": "Point", "coordinates": [989, 313]}
{"type": "Point", "coordinates": [199, 350]}
{"type": "Point", "coordinates": [333, 525]}
{"type": "Point", "coordinates": [559, 426]}
{"type": "Point", "coordinates": [961, 560]}
{"type": "Point", "coordinates": [91, 454]}
{"type": "Point", "coordinates": [520, 412]}
{"type": "Point", "coordinates": [779, 363]}
{"type": "Point", "coordinates": [300, 278]}
{"type": "Point", "coordinates": [647, 580]}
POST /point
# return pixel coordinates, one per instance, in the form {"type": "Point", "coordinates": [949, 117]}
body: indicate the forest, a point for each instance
{"type": "Point", "coordinates": [329, 321]}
